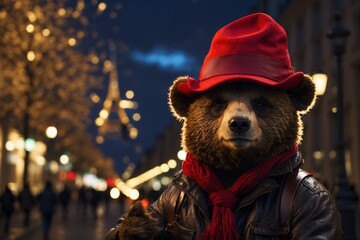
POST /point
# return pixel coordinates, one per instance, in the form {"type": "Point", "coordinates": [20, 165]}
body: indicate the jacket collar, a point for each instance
{"type": "Point", "coordinates": [199, 196]}
{"type": "Point", "coordinates": [288, 166]}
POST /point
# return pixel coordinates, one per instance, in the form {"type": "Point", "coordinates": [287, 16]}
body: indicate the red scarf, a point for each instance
{"type": "Point", "coordinates": [224, 201]}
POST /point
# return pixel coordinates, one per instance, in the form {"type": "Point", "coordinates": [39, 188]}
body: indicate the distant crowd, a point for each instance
{"type": "Point", "coordinates": [46, 203]}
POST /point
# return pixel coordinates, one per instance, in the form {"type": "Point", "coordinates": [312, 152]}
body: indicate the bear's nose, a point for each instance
{"type": "Point", "coordinates": [239, 124]}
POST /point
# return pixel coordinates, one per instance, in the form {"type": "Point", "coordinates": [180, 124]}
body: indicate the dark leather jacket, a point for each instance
{"type": "Point", "coordinates": [313, 216]}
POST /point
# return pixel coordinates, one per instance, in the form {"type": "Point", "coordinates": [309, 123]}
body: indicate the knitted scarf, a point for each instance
{"type": "Point", "coordinates": [224, 201]}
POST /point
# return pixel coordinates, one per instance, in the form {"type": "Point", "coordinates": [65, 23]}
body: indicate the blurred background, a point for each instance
{"type": "Point", "coordinates": [84, 84]}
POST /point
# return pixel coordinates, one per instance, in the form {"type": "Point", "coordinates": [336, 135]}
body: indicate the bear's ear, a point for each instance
{"type": "Point", "coordinates": [303, 96]}
{"type": "Point", "coordinates": [179, 103]}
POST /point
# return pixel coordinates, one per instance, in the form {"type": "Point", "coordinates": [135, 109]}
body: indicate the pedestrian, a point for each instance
{"type": "Point", "coordinates": [47, 203]}
{"type": "Point", "coordinates": [26, 200]}
{"type": "Point", "coordinates": [94, 201]}
{"type": "Point", "coordinates": [7, 201]}
{"type": "Point", "coordinates": [83, 200]}
{"type": "Point", "coordinates": [65, 198]}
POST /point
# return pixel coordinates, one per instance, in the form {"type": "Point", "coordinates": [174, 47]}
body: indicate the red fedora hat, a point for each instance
{"type": "Point", "coordinates": [253, 48]}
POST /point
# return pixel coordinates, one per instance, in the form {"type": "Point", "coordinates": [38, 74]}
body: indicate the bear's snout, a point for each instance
{"type": "Point", "coordinates": [239, 124]}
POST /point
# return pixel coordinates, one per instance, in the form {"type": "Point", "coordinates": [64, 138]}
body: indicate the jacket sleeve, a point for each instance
{"type": "Point", "coordinates": [156, 211]}
{"type": "Point", "coordinates": [315, 215]}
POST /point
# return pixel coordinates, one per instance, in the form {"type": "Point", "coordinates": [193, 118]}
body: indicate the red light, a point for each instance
{"type": "Point", "coordinates": [71, 176]}
{"type": "Point", "coordinates": [110, 182]}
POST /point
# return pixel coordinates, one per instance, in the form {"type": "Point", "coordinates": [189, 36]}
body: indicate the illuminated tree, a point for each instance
{"type": "Point", "coordinates": [44, 75]}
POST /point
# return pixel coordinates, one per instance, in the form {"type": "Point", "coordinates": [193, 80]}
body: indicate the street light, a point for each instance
{"type": "Point", "coordinates": [320, 79]}
{"type": "Point", "coordinates": [344, 196]}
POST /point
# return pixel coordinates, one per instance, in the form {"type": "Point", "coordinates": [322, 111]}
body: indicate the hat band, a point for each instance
{"type": "Point", "coordinates": [246, 64]}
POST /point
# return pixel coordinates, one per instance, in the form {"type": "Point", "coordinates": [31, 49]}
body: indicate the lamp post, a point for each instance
{"type": "Point", "coordinates": [344, 196]}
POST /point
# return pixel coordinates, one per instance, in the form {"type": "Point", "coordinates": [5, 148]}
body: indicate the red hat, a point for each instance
{"type": "Point", "coordinates": [253, 48]}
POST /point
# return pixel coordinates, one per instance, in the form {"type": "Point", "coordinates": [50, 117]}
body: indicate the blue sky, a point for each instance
{"type": "Point", "coordinates": [157, 41]}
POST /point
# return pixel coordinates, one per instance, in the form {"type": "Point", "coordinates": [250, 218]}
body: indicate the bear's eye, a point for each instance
{"type": "Point", "coordinates": [218, 105]}
{"type": "Point", "coordinates": [260, 104]}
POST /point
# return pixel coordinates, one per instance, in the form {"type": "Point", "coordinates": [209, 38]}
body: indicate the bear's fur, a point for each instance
{"type": "Point", "coordinates": [232, 128]}
{"type": "Point", "coordinates": [274, 122]}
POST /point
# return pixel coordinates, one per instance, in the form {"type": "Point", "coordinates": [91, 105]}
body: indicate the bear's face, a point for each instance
{"type": "Point", "coordinates": [239, 125]}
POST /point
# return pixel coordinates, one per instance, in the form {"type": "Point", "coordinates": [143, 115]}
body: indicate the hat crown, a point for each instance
{"type": "Point", "coordinates": [253, 48]}
{"type": "Point", "coordinates": [255, 34]}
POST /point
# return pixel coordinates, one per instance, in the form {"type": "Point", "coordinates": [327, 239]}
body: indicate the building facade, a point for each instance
{"type": "Point", "coordinates": [307, 24]}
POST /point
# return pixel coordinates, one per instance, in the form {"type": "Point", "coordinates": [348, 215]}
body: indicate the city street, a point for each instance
{"type": "Point", "coordinates": [76, 226]}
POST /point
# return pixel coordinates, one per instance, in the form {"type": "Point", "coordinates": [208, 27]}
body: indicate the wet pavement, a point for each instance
{"type": "Point", "coordinates": [75, 226]}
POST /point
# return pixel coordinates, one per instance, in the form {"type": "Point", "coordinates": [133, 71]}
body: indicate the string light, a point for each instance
{"type": "Point", "coordinates": [102, 7]}
{"type": "Point", "coordinates": [72, 42]}
{"type": "Point", "coordinates": [46, 32]}
{"type": "Point", "coordinates": [30, 28]}
{"type": "Point", "coordinates": [31, 56]}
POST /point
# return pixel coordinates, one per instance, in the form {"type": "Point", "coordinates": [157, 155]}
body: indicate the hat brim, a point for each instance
{"type": "Point", "coordinates": [193, 87]}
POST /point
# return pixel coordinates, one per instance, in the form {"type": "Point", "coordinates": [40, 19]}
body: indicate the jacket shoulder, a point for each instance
{"type": "Point", "coordinates": [313, 203]}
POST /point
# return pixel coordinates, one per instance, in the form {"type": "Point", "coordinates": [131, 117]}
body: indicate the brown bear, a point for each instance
{"type": "Point", "coordinates": [241, 129]}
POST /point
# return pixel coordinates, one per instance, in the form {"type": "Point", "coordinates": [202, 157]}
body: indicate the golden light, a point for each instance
{"type": "Point", "coordinates": [3, 14]}
{"type": "Point", "coordinates": [46, 32]}
{"type": "Point", "coordinates": [99, 121]}
{"type": "Point", "coordinates": [107, 65]}
{"type": "Point", "coordinates": [133, 133]}
{"type": "Point", "coordinates": [31, 16]}
{"type": "Point", "coordinates": [76, 14]}
{"type": "Point", "coordinates": [165, 180]}
{"type": "Point", "coordinates": [51, 132]}
{"type": "Point", "coordinates": [31, 56]}
{"type": "Point", "coordinates": [107, 103]}
{"type": "Point", "coordinates": [100, 139]}
{"type": "Point", "coordinates": [61, 12]}
{"type": "Point", "coordinates": [172, 163]}
{"type": "Point", "coordinates": [72, 41]}
{"type": "Point", "coordinates": [94, 60]}
{"type": "Point", "coordinates": [334, 109]}
{"type": "Point", "coordinates": [104, 114]}
{"type": "Point", "coordinates": [114, 193]}
{"type": "Point", "coordinates": [181, 155]}
{"type": "Point", "coordinates": [127, 104]}
{"type": "Point", "coordinates": [320, 80]}
{"type": "Point", "coordinates": [94, 98]}
{"type": "Point", "coordinates": [38, 37]}
{"type": "Point", "coordinates": [10, 146]}
{"type": "Point", "coordinates": [40, 160]}
{"type": "Point", "coordinates": [18, 4]}
{"type": "Point", "coordinates": [102, 6]}
{"type": "Point", "coordinates": [136, 117]}
{"type": "Point", "coordinates": [131, 183]}
{"type": "Point", "coordinates": [318, 154]}
{"type": "Point", "coordinates": [64, 159]}
{"type": "Point", "coordinates": [30, 28]}
{"type": "Point", "coordinates": [19, 144]}
{"type": "Point", "coordinates": [164, 167]}
{"type": "Point", "coordinates": [53, 166]}
{"type": "Point", "coordinates": [134, 194]}
{"type": "Point", "coordinates": [332, 154]}
{"type": "Point", "coordinates": [156, 186]}
{"type": "Point", "coordinates": [129, 94]}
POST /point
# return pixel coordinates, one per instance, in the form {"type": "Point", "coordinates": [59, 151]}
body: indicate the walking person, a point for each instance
{"type": "Point", "coordinates": [94, 202]}
{"type": "Point", "coordinates": [26, 200]}
{"type": "Point", "coordinates": [83, 200]}
{"type": "Point", "coordinates": [47, 203]}
{"type": "Point", "coordinates": [65, 198]}
{"type": "Point", "coordinates": [7, 201]}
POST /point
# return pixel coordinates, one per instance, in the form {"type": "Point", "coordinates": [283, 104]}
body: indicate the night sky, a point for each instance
{"type": "Point", "coordinates": [157, 41]}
